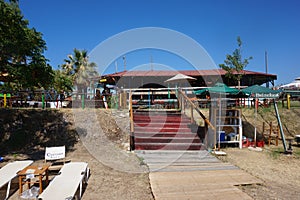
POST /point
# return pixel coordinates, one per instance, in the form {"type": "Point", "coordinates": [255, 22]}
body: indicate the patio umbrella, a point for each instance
{"type": "Point", "coordinates": [256, 92]}
{"type": "Point", "coordinates": [179, 78]}
{"type": "Point", "coordinates": [218, 88]}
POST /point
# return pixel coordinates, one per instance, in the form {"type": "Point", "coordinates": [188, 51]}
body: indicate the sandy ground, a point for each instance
{"type": "Point", "coordinates": [115, 172]}
{"type": "Point", "coordinates": [104, 182]}
{"type": "Point", "coordinates": [279, 172]}
{"type": "Point", "coordinates": [119, 174]}
{"type": "Point", "coordinates": [108, 183]}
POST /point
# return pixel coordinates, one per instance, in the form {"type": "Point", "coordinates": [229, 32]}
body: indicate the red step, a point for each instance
{"type": "Point", "coordinates": [162, 146]}
{"type": "Point", "coordinates": [161, 119]}
{"type": "Point", "coordinates": [165, 125]}
{"type": "Point", "coordinates": [167, 140]}
{"type": "Point", "coordinates": [161, 129]}
{"type": "Point", "coordinates": [153, 131]}
{"type": "Point", "coordinates": [170, 134]}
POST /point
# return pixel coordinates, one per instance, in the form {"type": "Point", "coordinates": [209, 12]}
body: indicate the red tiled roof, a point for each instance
{"type": "Point", "coordinates": [194, 73]}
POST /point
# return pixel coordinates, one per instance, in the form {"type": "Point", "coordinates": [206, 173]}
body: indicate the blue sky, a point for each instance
{"type": "Point", "coordinates": [263, 25]}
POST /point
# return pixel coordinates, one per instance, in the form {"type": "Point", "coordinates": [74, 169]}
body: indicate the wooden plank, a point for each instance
{"type": "Point", "coordinates": [194, 175]}
{"type": "Point", "coordinates": [200, 184]}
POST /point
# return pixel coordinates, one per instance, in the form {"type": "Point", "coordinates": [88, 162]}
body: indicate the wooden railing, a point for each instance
{"type": "Point", "coordinates": [131, 123]}
{"type": "Point", "coordinates": [184, 100]}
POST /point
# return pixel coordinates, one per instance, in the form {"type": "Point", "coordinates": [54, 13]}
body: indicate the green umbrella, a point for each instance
{"type": "Point", "coordinates": [202, 91]}
{"type": "Point", "coordinates": [8, 95]}
{"type": "Point", "coordinates": [218, 88]}
{"type": "Point", "coordinates": [261, 92]}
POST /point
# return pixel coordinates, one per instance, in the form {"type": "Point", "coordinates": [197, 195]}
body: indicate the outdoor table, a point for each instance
{"type": "Point", "coordinates": [28, 173]}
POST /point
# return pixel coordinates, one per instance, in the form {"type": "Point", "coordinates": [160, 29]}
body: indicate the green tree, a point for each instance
{"type": "Point", "coordinates": [62, 82]}
{"type": "Point", "coordinates": [78, 67]}
{"type": "Point", "coordinates": [21, 50]}
{"type": "Point", "coordinates": [235, 64]}
{"type": "Point", "coordinates": [38, 74]}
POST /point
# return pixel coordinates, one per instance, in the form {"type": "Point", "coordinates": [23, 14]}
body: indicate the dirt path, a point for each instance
{"type": "Point", "coordinates": [115, 172]}
{"type": "Point", "coordinates": [279, 172]}
{"type": "Point", "coordinates": [108, 183]}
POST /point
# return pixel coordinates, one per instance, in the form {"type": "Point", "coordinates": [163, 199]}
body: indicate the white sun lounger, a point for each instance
{"type": "Point", "coordinates": [65, 185]}
{"type": "Point", "coordinates": [9, 172]}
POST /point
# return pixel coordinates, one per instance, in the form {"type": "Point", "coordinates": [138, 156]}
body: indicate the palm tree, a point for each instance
{"type": "Point", "coordinates": [80, 69]}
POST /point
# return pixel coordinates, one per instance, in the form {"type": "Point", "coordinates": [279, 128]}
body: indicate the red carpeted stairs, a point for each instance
{"type": "Point", "coordinates": [164, 131]}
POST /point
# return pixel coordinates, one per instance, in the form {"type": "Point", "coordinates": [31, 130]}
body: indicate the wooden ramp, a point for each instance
{"type": "Point", "coordinates": [194, 175]}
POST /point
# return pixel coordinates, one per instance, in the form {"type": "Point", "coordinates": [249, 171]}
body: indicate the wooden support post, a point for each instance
{"type": "Point", "coordinates": [263, 129]}
{"type": "Point", "coordinates": [205, 133]}
{"type": "Point", "coordinates": [124, 99]}
{"type": "Point", "coordinates": [132, 146]}
{"type": "Point", "coordinates": [192, 114]}
{"type": "Point", "coordinates": [277, 135]}
{"type": "Point", "coordinates": [4, 100]}
{"type": "Point", "coordinates": [288, 102]}
{"type": "Point", "coordinates": [119, 96]}
{"type": "Point", "coordinates": [270, 133]}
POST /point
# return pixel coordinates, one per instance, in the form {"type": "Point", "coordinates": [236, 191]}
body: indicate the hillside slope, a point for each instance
{"type": "Point", "coordinates": [289, 120]}
{"type": "Point", "coordinates": [30, 129]}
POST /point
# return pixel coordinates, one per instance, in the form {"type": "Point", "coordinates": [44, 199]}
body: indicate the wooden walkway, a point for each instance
{"type": "Point", "coordinates": [194, 175]}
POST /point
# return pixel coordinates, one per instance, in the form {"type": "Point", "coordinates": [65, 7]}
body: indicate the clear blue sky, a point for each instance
{"type": "Point", "coordinates": [263, 25]}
